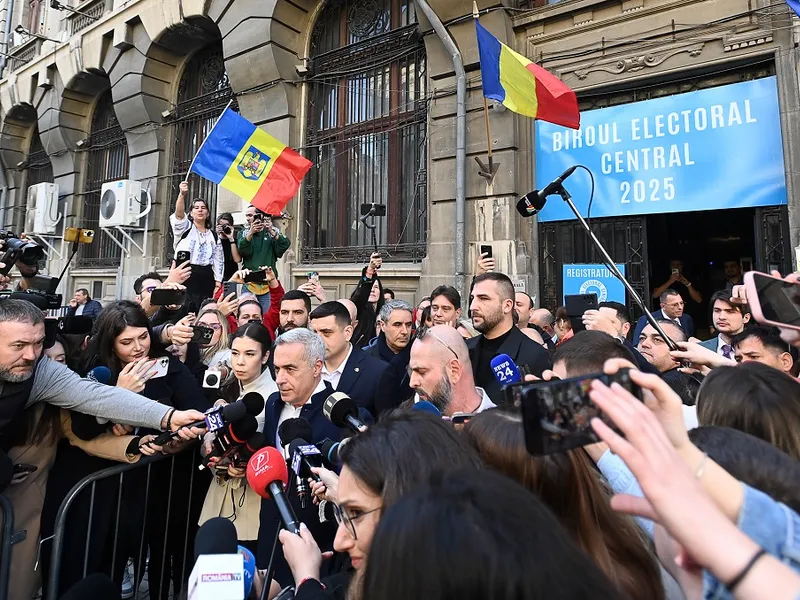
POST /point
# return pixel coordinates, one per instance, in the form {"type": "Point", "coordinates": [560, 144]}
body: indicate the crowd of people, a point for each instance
{"type": "Point", "coordinates": [687, 489]}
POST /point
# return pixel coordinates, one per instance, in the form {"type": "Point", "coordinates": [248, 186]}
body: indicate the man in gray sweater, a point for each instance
{"type": "Point", "coordinates": [26, 378]}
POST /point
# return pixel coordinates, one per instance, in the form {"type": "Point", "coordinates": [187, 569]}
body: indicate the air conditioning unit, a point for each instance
{"type": "Point", "coordinates": [42, 215]}
{"type": "Point", "coordinates": [121, 203]}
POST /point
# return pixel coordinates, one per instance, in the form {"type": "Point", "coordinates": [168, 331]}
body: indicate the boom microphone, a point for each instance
{"type": "Point", "coordinates": [267, 475]}
{"type": "Point", "coordinates": [341, 410]}
{"type": "Point", "coordinates": [505, 370]}
{"type": "Point", "coordinates": [532, 202]}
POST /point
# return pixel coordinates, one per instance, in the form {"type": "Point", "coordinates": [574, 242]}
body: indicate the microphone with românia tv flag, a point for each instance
{"type": "Point", "coordinates": [250, 163]}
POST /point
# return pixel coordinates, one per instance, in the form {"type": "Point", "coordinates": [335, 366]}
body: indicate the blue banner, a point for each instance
{"type": "Point", "coordinates": [705, 150]}
{"type": "Point", "coordinates": [594, 279]}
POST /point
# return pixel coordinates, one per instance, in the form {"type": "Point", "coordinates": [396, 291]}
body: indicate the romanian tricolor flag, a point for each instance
{"type": "Point", "coordinates": [250, 163]}
{"type": "Point", "coordinates": [522, 86]}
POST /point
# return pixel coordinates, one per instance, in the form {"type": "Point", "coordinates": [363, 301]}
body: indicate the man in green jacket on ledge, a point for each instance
{"type": "Point", "coordinates": [261, 245]}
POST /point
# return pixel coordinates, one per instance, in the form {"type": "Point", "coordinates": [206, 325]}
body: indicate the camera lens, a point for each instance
{"type": "Point", "coordinates": [212, 379]}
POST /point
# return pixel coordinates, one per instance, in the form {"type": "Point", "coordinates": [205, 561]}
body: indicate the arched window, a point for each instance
{"type": "Point", "coordinates": [203, 93]}
{"type": "Point", "coordinates": [366, 131]}
{"type": "Point", "coordinates": [107, 160]}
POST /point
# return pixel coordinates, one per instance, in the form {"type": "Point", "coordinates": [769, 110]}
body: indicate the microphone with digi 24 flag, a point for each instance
{"type": "Point", "coordinates": [293, 429]}
{"type": "Point", "coordinates": [228, 441]}
{"type": "Point", "coordinates": [341, 410]}
{"type": "Point", "coordinates": [268, 475]}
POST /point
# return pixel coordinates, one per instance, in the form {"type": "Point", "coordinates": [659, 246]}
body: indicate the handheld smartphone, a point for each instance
{"type": "Point", "coordinates": [772, 300]}
{"type": "Point", "coordinates": [557, 415]}
{"type": "Point", "coordinates": [230, 287]}
{"type": "Point", "coordinates": [182, 256]}
{"type": "Point", "coordinates": [202, 335]}
{"type": "Point", "coordinates": [313, 276]}
{"type": "Point", "coordinates": [487, 250]}
{"type": "Point", "coordinates": [256, 277]}
{"type": "Point", "coordinates": [676, 271]}
{"type": "Point", "coordinates": [23, 469]}
{"type": "Point", "coordinates": [167, 297]}
{"type": "Point", "coordinates": [576, 305]}
{"type": "Point", "coordinates": [161, 367]}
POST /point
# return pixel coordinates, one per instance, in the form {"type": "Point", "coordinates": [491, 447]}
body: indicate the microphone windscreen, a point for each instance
{"type": "Point", "coordinates": [338, 407]}
{"type": "Point", "coordinates": [249, 569]}
{"type": "Point", "coordinates": [233, 412]}
{"type": "Point", "coordinates": [241, 430]}
{"type": "Point", "coordinates": [100, 374]}
{"type": "Point", "coordinates": [97, 586]}
{"type": "Point", "coordinates": [265, 466]}
{"type": "Point", "coordinates": [216, 536]}
{"type": "Point", "coordinates": [505, 370]}
{"type": "Point", "coordinates": [256, 441]}
{"type": "Point", "coordinates": [253, 402]}
{"type": "Point", "coordinates": [291, 429]}
{"type": "Point", "coordinates": [530, 204]}
{"type": "Point", "coordinates": [425, 406]}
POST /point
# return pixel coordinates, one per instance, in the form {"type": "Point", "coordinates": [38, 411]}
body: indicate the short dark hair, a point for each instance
{"type": "Point", "coordinates": [502, 280]}
{"type": "Point", "coordinates": [257, 332]}
{"type": "Point", "coordinates": [84, 291]}
{"type": "Point", "coordinates": [666, 293]}
{"type": "Point", "coordinates": [751, 460]}
{"type": "Point", "coordinates": [20, 311]}
{"type": "Point", "coordinates": [769, 336]}
{"type": "Point", "coordinates": [247, 301]}
{"type": "Point", "coordinates": [335, 309]}
{"type": "Point", "coordinates": [449, 292]}
{"type": "Point", "coordinates": [725, 296]}
{"type": "Point", "coordinates": [587, 351]}
{"type": "Point", "coordinates": [137, 285]}
{"type": "Point", "coordinates": [673, 324]}
{"type": "Point", "coordinates": [297, 295]}
{"type": "Point", "coordinates": [227, 216]}
{"type": "Point", "coordinates": [623, 314]}
{"type": "Point", "coordinates": [388, 291]}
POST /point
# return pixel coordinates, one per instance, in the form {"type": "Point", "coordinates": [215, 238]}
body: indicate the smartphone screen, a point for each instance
{"type": "Point", "coordinates": [166, 297]}
{"type": "Point", "coordinates": [181, 257]}
{"type": "Point", "coordinates": [487, 250]}
{"type": "Point", "coordinates": [557, 415]}
{"type": "Point", "coordinates": [255, 276]}
{"type": "Point", "coordinates": [576, 305]}
{"type": "Point", "coordinates": [779, 300]}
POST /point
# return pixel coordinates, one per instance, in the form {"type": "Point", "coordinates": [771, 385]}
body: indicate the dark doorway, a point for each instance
{"type": "Point", "coordinates": [703, 241]}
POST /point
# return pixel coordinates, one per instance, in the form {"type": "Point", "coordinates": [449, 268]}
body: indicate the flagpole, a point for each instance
{"type": "Point", "coordinates": [475, 15]}
{"type": "Point", "coordinates": [205, 139]}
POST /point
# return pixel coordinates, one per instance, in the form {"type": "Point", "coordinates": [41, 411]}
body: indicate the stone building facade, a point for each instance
{"type": "Point", "coordinates": [110, 89]}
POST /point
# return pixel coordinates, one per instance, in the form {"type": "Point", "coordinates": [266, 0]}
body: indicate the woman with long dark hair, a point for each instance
{"type": "Point", "coordinates": [155, 508]}
{"type": "Point", "coordinates": [571, 487]}
{"type": "Point", "coordinates": [196, 236]}
{"type": "Point", "coordinates": [378, 466]}
{"type": "Point", "coordinates": [368, 298]}
{"type": "Point", "coordinates": [476, 535]}
{"type": "Point", "coordinates": [229, 494]}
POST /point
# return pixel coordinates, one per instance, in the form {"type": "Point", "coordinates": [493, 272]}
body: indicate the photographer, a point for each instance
{"type": "Point", "coordinates": [261, 245]}
{"type": "Point", "coordinates": [230, 251]}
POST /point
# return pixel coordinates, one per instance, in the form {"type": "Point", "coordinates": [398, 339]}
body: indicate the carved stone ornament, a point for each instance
{"type": "Point", "coordinates": [639, 62]}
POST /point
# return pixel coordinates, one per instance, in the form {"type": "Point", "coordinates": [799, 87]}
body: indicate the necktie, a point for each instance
{"type": "Point", "coordinates": [727, 351]}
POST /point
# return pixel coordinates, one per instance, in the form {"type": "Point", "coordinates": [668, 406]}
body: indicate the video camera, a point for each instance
{"type": "Point", "coordinates": [18, 250]}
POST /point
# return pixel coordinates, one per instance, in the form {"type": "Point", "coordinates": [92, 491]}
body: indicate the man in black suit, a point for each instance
{"type": "Point", "coordinates": [492, 314]}
{"type": "Point", "coordinates": [299, 357]}
{"type": "Point", "coordinates": [346, 369]}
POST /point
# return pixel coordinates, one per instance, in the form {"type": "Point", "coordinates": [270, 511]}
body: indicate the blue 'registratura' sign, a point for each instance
{"type": "Point", "coordinates": [705, 150]}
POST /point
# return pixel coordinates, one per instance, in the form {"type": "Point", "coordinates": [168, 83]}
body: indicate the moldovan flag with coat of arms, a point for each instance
{"type": "Point", "coordinates": [522, 86]}
{"type": "Point", "coordinates": [250, 163]}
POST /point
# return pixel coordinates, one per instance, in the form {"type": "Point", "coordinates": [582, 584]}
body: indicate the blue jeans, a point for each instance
{"type": "Point", "coordinates": [263, 300]}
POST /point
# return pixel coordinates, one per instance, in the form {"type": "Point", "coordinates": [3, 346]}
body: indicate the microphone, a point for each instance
{"type": "Point", "coordinates": [253, 402]}
{"type": "Point", "coordinates": [218, 570]}
{"type": "Point", "coordinates": [232, 438]}
{"type": "Point", "coordinates": [341, 410]}
{"type": "Point", "coordinates": [268, 475]}
{"type": "Point", "coordinates": [292, 429]}
{"type": "Point", "coordinates": [532, 202]}
{"type": "Point", "coordinates": [253, 444]}
{"type": "Point", "coordinates": [425, 406]}
{"type": "Point", "coordinates": [216, 419]}
{"type": "Point", "coordinates": [97, 586]}
{"type": "Point", "coordinates": [505, 371]}
{"type": "Point", "coordinates": [249, 569]}
{"type": "Point", "coordinates": [305, 457]}
{"type": "Point", "coordinates": [330, 452]}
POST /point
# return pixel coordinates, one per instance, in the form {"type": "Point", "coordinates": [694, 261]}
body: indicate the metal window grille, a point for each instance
{"type": "Point", "coordinates": [366, 132]}
{"type": "Point", "coordinates": [107, 161]}
{"type": "Point", "coordinates": [203, 93]}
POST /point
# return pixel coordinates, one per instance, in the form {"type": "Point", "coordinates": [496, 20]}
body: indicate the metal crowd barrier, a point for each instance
{"type": "Point", "coordinates": [156, 472]}
{"type": "Point", "coordinates": [6, 541]}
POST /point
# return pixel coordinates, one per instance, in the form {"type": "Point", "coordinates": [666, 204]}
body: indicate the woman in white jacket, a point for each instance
{"type": "Point", "coordinates": [229, 495]}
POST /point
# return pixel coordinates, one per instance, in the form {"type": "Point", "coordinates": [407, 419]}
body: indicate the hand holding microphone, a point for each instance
{"type": "Point", "coordinates": [268, 475]}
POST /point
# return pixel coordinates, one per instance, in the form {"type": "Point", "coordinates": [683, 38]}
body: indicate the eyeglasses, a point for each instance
{"type": "Point", "coordinates": [425, 331]}
{"type": "Point", "coordinates": [214, 326]}
{"type": "Point", "coordinates": [343, 517]}
{"type": "Point", "coordinates": [149, 289]}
